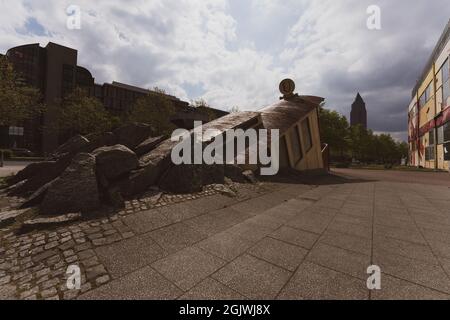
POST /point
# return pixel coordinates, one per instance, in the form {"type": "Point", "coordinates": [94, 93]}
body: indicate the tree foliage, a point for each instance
{"type": "Point", "coordinates": [154, 109]}
{"type": "Point", "coordinates": [18, 102]}
{"type": "Point", "coordinates": [234, 109]}
{"type": "Point", "coordinates": [355, 142]}
{"type": "Point", "coordinates": [334, 130]}
{"type": "Point", "coordinates": [204, 108]}
{"type": "Point", "coordinates": [200, 103]}
{"type": "Point", "coordinates": [82, 114]}
{"type": "Point", "coordinates": [159, 90]}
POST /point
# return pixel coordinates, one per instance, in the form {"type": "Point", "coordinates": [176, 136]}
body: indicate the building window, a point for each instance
{"type": "Point", "coordinates": [422, 100]}
{"type": "Point", "coordinates": [83, 78]}
{"type": "Point", "coordinates": [296, 145]}
{"type": "Point", "coordinates": [428, 93]}
{"type": "Point", "coordinates": [429, 151]}
{"type": "Point", "coordinates": [446, 129]}
{"type": "Point", "coordinates": [16, 131]}
{"type": "Point", "coordinates": [445, 70]}
{"type": "Point", "coordinates": [414, 111]}
{"type": "Point", "coordinates": [426, 96]}
{"type": "Point", "coordinates": [306, 133]}
{"type": "Point", "coordinates": [447, 151]}
{"type": "Point", "coordinates": [440, 135]}
{"type": "Point", "coordinates": [67, 79]}
{"type": "Point", "coordinates": [431, 137]}
{"type": "Point", "coordinates": [445, 94]}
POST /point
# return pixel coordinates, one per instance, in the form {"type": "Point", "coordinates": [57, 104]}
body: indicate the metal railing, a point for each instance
{"type": "Point", "coordinates": [326, 156]}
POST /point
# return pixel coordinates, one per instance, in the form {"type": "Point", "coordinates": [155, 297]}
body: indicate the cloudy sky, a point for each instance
{"type": "Point", "coordinates": [235, 52]}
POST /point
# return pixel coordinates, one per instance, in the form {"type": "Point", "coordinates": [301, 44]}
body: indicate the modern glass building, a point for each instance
{"type": "Point", "coordinates": [429, 111]}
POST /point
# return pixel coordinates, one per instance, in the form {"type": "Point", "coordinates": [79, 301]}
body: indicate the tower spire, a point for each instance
{"type": "Point", "coordinates": [358, 114]}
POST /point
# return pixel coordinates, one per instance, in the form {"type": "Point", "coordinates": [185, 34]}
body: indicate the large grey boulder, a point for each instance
{"type": "Point", "coordinates": [86, 144]}
{"type": "Point", "coordinates": [39, 174]}
{"type": "Point", "coordinates": [114, 197]}
{"type": "Point", "coordinates": [75, 190]}
{"type": "Point", "coordinates": [213, 174]}
{"type": "Point", "coordinates": [151, 167]}
{"type": "Point", "coordinates": [182, 178]}
{"type": "Point", "coordinates": [30, 171]}
{"type": "Point", "coordinates": [37, 197]}
{"type": "Point", "coordinates": [138, 181]}
{"type": "Point", "coordinates": [10, 189]}
{"type": "Point", "coordinates": [115, 161]}
{"type": "Point", "coordinates": [72, 146]}
{"type": "Point", "coordinates": [104, 139]}
{"type": "Point", "coordinates": [98, 140]}
{"type": "Point", "coordinates": [234, 172]}
{"type": "Point", "coordinates": [249, 176]}
{"type": "Point", "coordinates": [48, 172]}
{"type": "Point", "coordinates": [133, 134]}
{"type": "Point", "coordinates": [148, 145]}
{"type": "Point", "coordinates": [9, 217]}
{"type": "Point", "coordinates": [49, 222]}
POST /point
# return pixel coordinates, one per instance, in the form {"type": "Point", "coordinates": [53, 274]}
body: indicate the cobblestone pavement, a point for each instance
{"type": "Point", "coordinates": [33, 265]}
{"type": "Point", "coordinates": [271, 241]}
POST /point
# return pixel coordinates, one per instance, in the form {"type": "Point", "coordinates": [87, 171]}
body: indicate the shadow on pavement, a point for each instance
{"type": "Point", "coordinates": [310, 178]}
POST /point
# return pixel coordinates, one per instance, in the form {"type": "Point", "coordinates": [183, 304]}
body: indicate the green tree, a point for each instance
{"type": "Point", "coordinates": [388, 149]}
{"type": "Point", "coordinates": [358, 142]}
{"type": "Point", "coordinates": [234, 109]}
{"type": "Point", "coordinates": [334, 130]}
{"type": "Point", "coordinates": [18, 102]}
{"type": "Point", "coordinates": [82, 114]}
{"type": "Point", "coordinates": [154, 109]}
{"type": "Point", "coordinates": [159, 90]}
{"type": "Point", "coordinates": [203, 107]}
{"type": "Point", "coordinates": [361, 143]}
{"type": "Point", "coordinates": [402, 149]}
{"type": "Point", "coordinates": [200, 103]}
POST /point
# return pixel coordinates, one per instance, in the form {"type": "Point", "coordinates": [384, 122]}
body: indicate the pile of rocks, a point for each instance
{"type": "Point", "coordinates": [89, 171]}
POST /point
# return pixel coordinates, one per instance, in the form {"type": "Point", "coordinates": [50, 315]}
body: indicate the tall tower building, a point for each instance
{"type": "Point", "coordinates": [359, 112]}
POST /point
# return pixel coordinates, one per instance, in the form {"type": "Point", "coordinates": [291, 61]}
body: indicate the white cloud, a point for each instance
{"type": "Point", "coordinates": [163, 43]}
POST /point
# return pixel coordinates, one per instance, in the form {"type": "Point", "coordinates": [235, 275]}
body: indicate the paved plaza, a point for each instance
{"type": "Point", "coordinates": [272, 241]}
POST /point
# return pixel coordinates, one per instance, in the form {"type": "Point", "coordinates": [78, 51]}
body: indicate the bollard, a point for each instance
{"type": "Point", "coordinates": [1, 159]}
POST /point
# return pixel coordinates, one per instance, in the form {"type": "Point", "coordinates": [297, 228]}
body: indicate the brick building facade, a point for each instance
{"type": "Point", "coordinates": [54, 71]}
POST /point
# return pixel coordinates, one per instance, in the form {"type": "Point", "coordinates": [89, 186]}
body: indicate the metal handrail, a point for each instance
{"type": "Point", "coordinates": [326, 156]}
